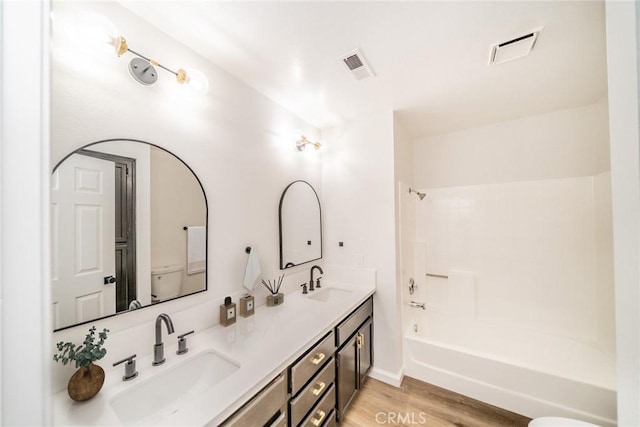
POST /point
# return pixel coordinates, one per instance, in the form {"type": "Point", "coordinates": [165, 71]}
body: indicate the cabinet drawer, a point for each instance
{"type": "Point", "coordinates": [353, 322]}
{"type": "Point", "coordinates": [311, 393]}
{"type": "Point", "coordinates": [281, 421]}
{"type": "Point", "coordinates": [332, 421]}
{"type": "Point", "coordinates": [262, 407]}
{"type": "Point", "coordinates": [311, 362]}
{"type": "Point", "coordinates": [320, 413]}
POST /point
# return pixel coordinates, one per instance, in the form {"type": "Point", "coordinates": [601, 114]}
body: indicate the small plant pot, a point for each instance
{"type": "Point", "coordinates": [275, 299]}
{"type": "Point", "coordinates": [86, 383]}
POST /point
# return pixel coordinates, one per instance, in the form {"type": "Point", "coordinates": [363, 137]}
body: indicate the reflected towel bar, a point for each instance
{"type": "Point", "coordinates": [441, 276]}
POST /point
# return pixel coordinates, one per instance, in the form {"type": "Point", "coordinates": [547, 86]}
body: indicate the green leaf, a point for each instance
{"type": "Point", "coordinates": [83, 355]}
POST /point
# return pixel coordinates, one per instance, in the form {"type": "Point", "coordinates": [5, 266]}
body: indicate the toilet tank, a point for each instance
{"type": "Point", "coordinates": [166, 281]}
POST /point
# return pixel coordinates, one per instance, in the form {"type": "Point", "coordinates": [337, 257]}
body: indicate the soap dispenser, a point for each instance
{"type": "Point", "coordinates": [228, 312]}
{"type": "Point", "coordinates": [247, 305]}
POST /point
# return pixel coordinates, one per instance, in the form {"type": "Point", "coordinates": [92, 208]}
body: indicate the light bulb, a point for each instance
{"type": "Point", "coordinates": [196, 81]}
{"type": "Point", "coordinates": [94, 32]}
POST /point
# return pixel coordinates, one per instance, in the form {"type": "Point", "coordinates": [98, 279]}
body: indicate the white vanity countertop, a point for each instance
{"type": "Point", "coordinates": [263, 344]}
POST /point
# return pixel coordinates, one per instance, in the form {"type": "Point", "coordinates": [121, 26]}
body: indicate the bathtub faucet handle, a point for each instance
{"type": "Point", "coordinates": [417, 305]}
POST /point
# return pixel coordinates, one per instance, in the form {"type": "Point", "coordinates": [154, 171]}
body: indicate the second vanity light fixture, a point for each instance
{"type": "Point", "coordinates": [302, 142]}
{"type": "Point", "coordinates": [143, 69]}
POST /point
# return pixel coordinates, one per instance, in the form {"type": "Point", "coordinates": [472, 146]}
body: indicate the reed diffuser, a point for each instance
{"type": "Point", "coordinates": [276, 298]}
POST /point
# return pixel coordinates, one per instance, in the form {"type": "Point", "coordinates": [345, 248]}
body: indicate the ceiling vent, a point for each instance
{"type": "Point", "coordinates": [513, 49]}
{"type": "Point", "coordinates": [356, 64]}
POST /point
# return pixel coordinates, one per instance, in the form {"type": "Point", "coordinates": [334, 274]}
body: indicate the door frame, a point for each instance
{"type": "Point", "coordinates": [130, 288]}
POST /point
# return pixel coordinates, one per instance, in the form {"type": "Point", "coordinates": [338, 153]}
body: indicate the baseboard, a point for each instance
{"type": "Point", "coordinates": [387, 377]}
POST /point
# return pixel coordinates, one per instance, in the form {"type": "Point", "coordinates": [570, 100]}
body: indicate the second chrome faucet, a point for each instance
{"type": "Point", "coordinates": [317, 284]}
{"type": "Point", "coordinates": [158, 348]}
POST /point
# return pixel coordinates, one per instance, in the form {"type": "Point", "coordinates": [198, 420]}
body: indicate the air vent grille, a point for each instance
{"type": "Point", "coordinates": [353, 62]}
{"type": "Point", "coordinates": [356, 65]}
{"type": "Point", "coordinates": [513, 49]}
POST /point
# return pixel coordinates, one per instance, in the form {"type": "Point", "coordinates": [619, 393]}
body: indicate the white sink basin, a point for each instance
{"type": "Point", "coordinates": [329, 294]}
{"type": "Point", "coordinates": [168, 392]}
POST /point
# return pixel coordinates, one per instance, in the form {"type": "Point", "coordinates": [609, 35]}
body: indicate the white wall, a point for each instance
{"type": "Point", "coordinates": [623, 30]}
{"type": "Point", "coordinates": [237, 142]}
{"type": "Point", "coordinates": [24, 189]}
{"type": "Point", "coordinates": [359, 210]}
{"type": "Point", "coordinates": [558, 144]}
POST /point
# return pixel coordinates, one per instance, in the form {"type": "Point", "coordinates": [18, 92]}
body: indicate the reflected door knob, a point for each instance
{"type": "Point", "coordinates": [109, 280]}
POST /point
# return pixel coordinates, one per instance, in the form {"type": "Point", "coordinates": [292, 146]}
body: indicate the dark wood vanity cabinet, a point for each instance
{"type": "Point", "coordinates": [318, 387]}
{"type": "Point", "coordinates": [354, 357]}
{"type": "Point", "coordinates": [321, 392]}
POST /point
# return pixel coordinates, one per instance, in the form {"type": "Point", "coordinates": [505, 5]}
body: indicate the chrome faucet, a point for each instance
{"type": "Point", "coordinates": [311, 288]}
{"type": "Point", "coordinates": [417, 304]}
{"type": "Point", "coordinates": [158, 349]}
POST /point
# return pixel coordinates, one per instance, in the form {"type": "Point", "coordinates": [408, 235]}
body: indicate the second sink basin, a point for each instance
{"type": "Point", "coordinates": [168, 392]}
{"type": "Point", "coordinates": [329, 294]}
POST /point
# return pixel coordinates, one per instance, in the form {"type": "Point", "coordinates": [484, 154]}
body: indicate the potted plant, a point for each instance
{"type": "Point", "coordinates": [88, 379]}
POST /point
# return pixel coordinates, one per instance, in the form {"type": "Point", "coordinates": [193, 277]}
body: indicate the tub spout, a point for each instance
{"type": "Point", "coordinates": [417, 305]}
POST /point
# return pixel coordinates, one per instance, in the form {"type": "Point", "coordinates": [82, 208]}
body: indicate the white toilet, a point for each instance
{"type": "Point", "coordinates": [166, 282]}
{"type": "Point", "coordinates": [558, 422]}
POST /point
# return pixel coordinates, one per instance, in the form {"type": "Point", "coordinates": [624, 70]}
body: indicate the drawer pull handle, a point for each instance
{"type": "Point", "coordinates": [321, 386]}
{"type": "Point", "coordinates": [317, 421]}
{"type": "Point", "coordinates": [319, 357]}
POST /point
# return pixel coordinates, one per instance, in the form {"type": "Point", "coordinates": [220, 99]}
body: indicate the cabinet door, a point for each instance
{"type": "Point", "coordinates": [347, 375]}
{"type": "Point", "coordinates": [365, 351]}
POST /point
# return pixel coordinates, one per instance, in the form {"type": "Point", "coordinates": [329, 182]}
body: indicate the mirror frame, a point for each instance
{"type": "Point", "coordinates": [283, 267]}
{"type": "Point", "coordinates": [206, 208]}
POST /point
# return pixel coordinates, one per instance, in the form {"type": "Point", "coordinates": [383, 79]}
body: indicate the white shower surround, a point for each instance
{"type": "Point", "coordinates": [525, 319]}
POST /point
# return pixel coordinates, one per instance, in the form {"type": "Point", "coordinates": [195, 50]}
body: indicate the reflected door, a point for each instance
{"type": "Point", "coordinates": [83, 228]}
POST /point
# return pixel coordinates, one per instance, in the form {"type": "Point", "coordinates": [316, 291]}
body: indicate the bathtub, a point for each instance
{"type": "Point", "coordinates": [527, 372]}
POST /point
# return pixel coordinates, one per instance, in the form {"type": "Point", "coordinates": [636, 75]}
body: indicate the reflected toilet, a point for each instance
{"type": "Point", "coordinates": [166, 282]}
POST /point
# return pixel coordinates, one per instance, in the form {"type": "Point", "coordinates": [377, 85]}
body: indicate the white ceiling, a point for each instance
{"type": "Point", "coordinates": [430, 58]}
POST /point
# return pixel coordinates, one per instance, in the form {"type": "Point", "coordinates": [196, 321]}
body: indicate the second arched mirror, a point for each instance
{"type": "Point", "coordinates": [300, 225]}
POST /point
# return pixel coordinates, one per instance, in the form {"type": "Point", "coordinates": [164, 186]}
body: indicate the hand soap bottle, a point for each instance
{"type": "Point", "coordinates": [247, 305]}
{"type": "Point", "coordinates": [227, 312]}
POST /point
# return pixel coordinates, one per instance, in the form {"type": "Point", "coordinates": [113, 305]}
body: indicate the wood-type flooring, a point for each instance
{"type": "Point", "coordinates": [417, 403]}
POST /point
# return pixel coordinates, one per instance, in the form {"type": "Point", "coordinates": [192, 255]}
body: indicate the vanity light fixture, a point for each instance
{"type": "Point", "coordinates": [302, 142]}
{"type": "Point", "coordinates": [143, 69]}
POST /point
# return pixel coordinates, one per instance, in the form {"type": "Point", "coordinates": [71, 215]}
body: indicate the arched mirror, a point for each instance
{"type": "Point", "coordinates": [300, 225]}
{"type": "Point", "coordinates": [128, 228]}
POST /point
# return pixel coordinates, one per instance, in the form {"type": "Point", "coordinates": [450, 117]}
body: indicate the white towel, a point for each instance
{"type": "Point", "coordinates": [252, 271]}
{"type": "Point", "coordinates": [196, 249]}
